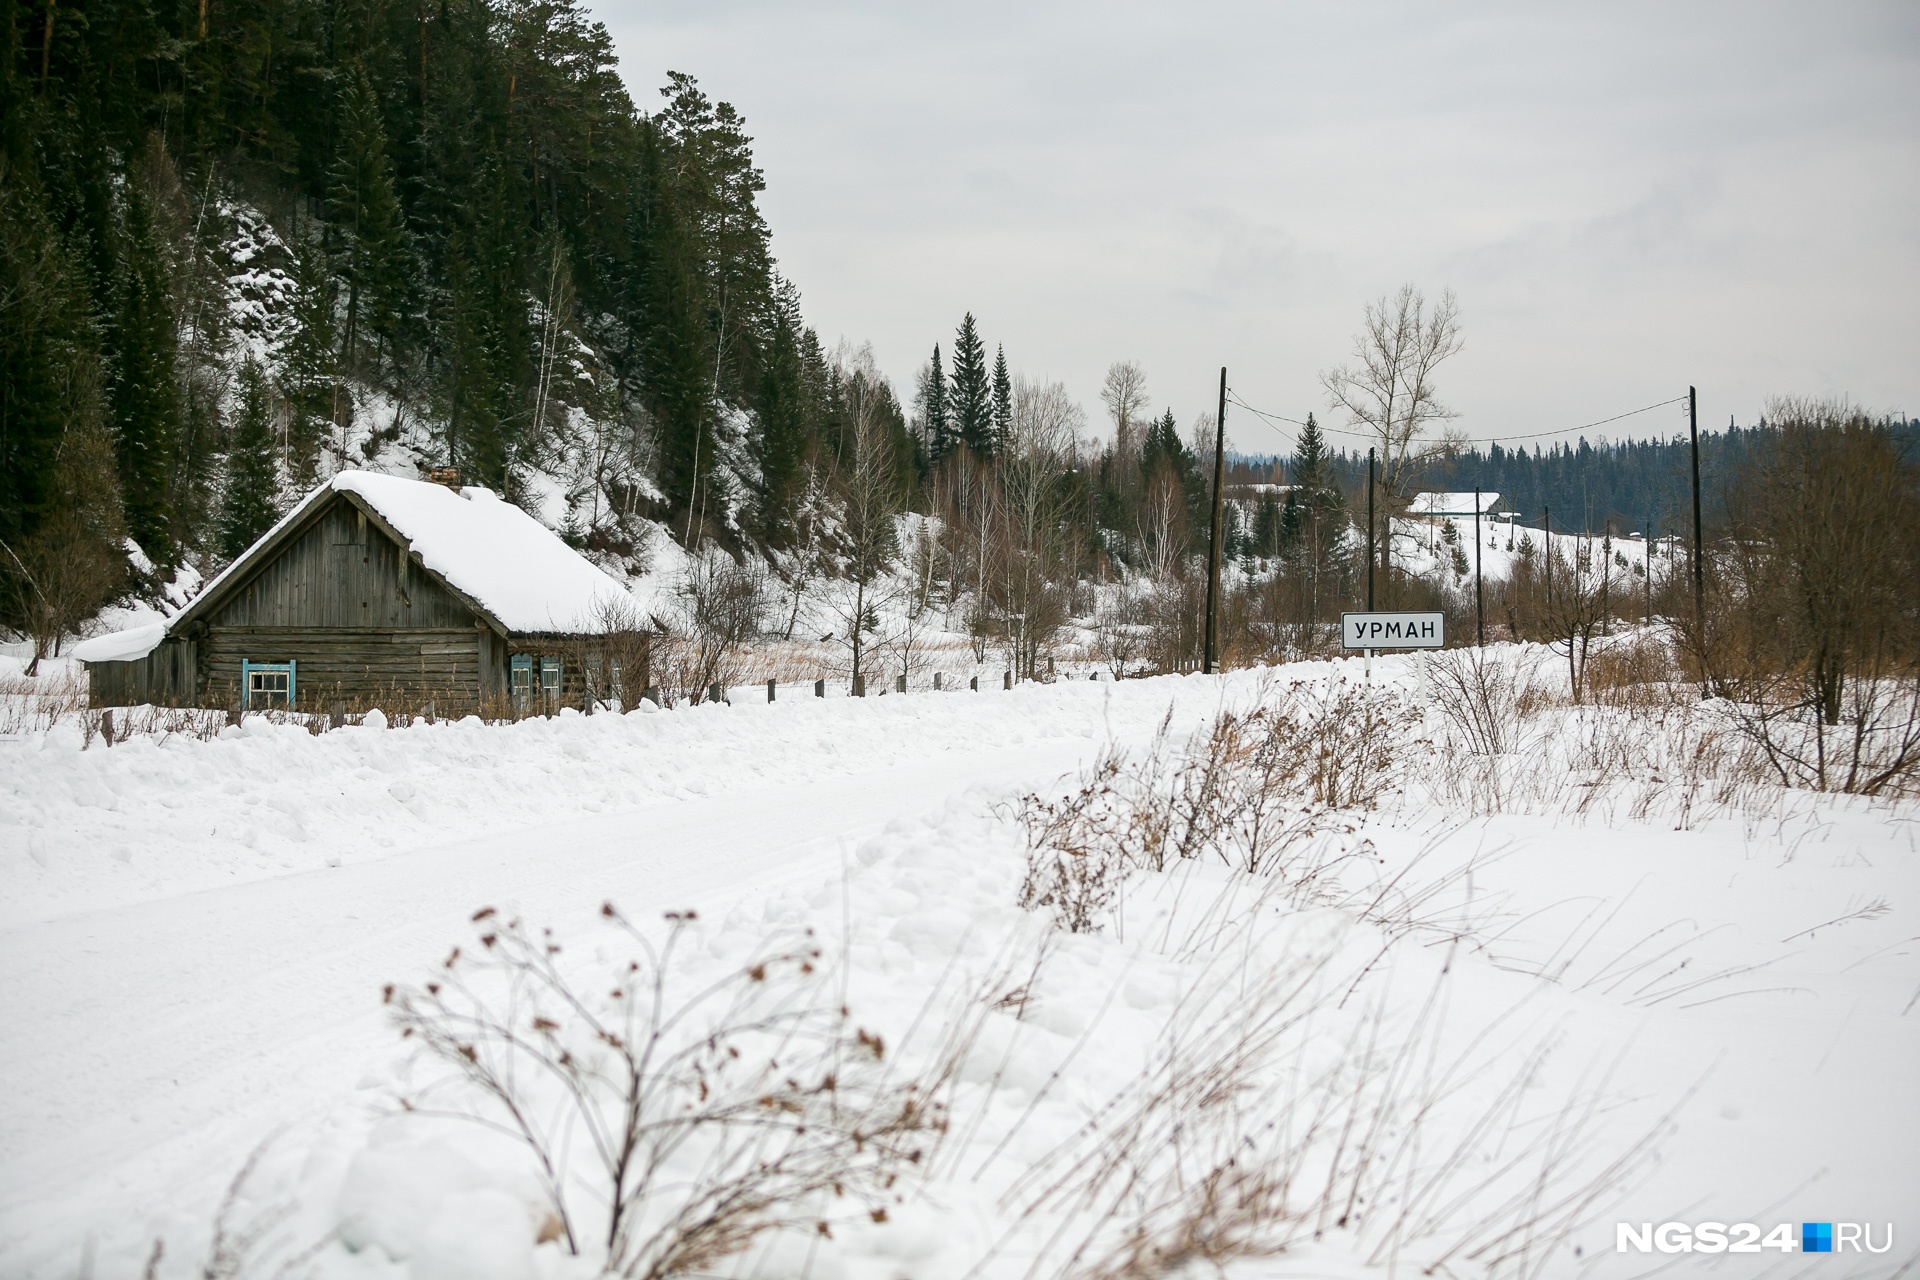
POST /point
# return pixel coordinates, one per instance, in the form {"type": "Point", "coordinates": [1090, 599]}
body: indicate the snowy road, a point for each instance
{"type": "Point", "coordinates": [169, 1036]}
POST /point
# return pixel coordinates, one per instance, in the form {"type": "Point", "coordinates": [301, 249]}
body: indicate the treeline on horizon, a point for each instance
{"type": "Point", "coordinates": [1632, 483]}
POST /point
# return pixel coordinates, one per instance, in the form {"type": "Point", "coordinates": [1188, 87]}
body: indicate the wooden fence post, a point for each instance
{"type": "Point", "coordinates": [336, 715]}
{"type": "Point", "coordinates": [901, 683]}
{"type": "Point", "coordinates": [1006, 680]}
{"type": "Point", "coordinates": [714, 694]}
{"type": "Point", "coordinates": [106, 725]}
{"type": "Point", "coordinates": [769, 691]}
{"type": "Point", "coordinates": [819, 688]}
{"type": "Point", "coordinates": [974, 684]}
{"type": "Point", "coordinates": [936, 682]}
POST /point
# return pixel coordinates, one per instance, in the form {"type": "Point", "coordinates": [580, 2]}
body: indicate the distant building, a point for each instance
{"type": "Point", "coordinates": [1437, 507]}
{"type": "Point", "coordinates": [381, 591]}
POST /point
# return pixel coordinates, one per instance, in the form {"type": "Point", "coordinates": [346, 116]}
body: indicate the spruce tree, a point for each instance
{"type": "Point", "coordinates": [782, 416]}
{"type": "Point", "coordinates": [1268, 523]}
{"type": "Point", "coordinates": [310, 379]}
{"type": "Point", "coordinates": [249, 502]}
{"type": "Point", "coordinates": [674, 343]}
{"type": "Point", "coordinates": [1002, 398]}
{"type": "Point", "coordinates": [933, 404]}
{"type": "Point", "coordinates": [1311, 467]}
{"type": "Point", "coordinates": [364, 214]}
{"type": "Point", "coordinates": [971, 404]}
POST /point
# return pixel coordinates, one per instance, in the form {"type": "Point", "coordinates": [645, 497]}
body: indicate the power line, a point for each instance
{"type": "Point", "coordinates": [1524, 435]}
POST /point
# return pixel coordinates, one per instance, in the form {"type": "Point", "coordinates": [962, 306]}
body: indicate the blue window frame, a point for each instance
{"type": "Point", "coordinates": [267, 684]}
{"type": "Point", "coordinates": [550, 679]}
{"type": "Point", "coordinates": [520, 679]}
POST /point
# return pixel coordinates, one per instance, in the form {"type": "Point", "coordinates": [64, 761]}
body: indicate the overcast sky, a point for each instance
{"type": "Point", "coordinates": [1626, 198]}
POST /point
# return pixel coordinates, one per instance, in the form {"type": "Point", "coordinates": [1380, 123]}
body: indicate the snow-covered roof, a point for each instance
{"type": "Point", "coordinates": [122, 646]}
{"type": "Point", "coordinates": [492, 551]}
{"type": "Point", "coordinates": [1450, 504]}
{"type": "Point", "coordinates": [481, 545]}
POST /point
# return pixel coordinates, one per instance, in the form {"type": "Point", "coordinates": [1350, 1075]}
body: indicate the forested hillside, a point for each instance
{"type": "Point", "coordinates": [248, 242]}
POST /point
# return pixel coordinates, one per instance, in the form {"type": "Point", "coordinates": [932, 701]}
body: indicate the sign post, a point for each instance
{"type": "Point", "coordinates": [1371, 631]}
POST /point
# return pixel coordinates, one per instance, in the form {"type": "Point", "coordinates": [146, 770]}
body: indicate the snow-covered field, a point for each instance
{"type": "Point", "coordinates": [1480, 1038]}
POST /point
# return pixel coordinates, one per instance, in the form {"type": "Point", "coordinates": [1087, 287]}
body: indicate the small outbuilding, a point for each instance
{"type": "Point", "coordinates": [1451, 506]}
{"type": "Point", "coordinates": [377, 590]}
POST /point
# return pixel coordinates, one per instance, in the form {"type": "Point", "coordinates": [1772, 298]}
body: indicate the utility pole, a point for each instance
{"type": "Point", "coordinates": [1546, 525]}
{"type": "Point", "coordinates": [1699, 574]}
{"type": "Point", "coordinates": [1648, 561]}
{"type": "Point", "coordinates": [1479, 596]}
{"type": "Point", "coordinates": [1210, 656]}
{"type": "Point", "coordinates": [1369, 529]}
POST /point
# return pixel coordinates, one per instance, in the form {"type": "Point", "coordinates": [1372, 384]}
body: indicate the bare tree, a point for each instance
{"type": "Point", "coordinates": [1125, 394]}
{"type": "Point", "coordinates": [1389, 391]}
{"type": "Point", "coordinates": [1810, 634]}
{"type": "Point", "coordinates": [1033, 565]}
{"type": "Point", "coordinates": [873, 492]}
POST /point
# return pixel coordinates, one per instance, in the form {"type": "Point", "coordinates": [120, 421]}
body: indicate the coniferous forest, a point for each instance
{"type": "Point", "coordinates": [249, 242]}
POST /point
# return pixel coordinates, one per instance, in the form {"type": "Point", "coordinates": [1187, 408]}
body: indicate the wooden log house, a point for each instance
{"type": "Point", "coordinates": [382, 591]}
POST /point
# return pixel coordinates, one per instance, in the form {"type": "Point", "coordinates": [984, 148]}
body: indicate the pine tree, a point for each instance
{"type": "Point", "coordinates": [249, 502]}
{"type": "Point", "coordinates": [971, 405]}
{"type": "Point", "coordinates": [1002, 399]}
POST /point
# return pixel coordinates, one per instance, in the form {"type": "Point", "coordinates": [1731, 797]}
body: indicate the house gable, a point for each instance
{"type": "Point", "coordinates": [341, 570]}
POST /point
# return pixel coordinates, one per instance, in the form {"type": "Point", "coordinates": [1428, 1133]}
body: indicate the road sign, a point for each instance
{"type": "Point", "coordinates": [1393, 630]}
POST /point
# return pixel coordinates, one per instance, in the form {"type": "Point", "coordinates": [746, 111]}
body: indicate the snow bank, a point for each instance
{"type": "Point", "coordinates": [1595, 981]}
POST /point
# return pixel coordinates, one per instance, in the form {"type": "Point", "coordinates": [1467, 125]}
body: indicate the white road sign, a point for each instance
{"type": "Point", "coordinates": [1393, 630]}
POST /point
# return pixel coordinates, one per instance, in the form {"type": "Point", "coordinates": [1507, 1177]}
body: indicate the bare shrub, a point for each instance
{"type": "Point", "coordinates": [1119, 628]}
{"type": "Point", "coordinates": [1079, 850]}
{"type": "Point", "coordinates": [1254, 789]}
{"type": "Point", "coordinates": [34, 704]}
{"type": "Point", "coordinates": [1635, 670]}
{"type": "Point", "coordinates": [722, 604]}
{"type": "Point", "coordinates": [1355, 740]}
{"type": "Point", "coordinates": [612, 649]}
{"type": "Point", "coordinates": [709, 1118]}
{"type": "Point", "coordinates": [1484, 695]}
